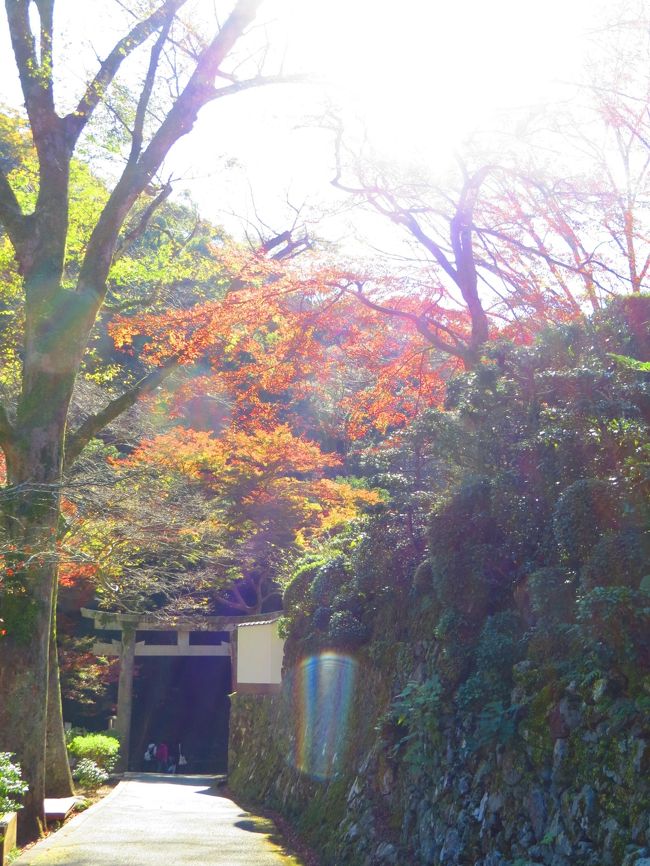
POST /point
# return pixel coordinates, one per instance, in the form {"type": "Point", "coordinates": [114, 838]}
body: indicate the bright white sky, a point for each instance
{"type": "Point", "coordinates": [421, 73]}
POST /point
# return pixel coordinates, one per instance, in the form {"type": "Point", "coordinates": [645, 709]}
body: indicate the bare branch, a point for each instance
{"type": "Point", "coordinates": [35, 77]}
{"type": "Point", "coordinates": [147, 89]}
{"type": "Point", "coordinates": [96, 90]}
{"type": "Point", "coordinates": [179, 121]}
{"type": "Point", "coordinates": [140, 227]}
{"type": "Point", "coordinates": [455, 347]}
{"type": "Point", "coordinates": [78, 440]}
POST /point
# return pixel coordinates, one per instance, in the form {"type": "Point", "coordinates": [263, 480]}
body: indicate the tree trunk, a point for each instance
{"type": "Point", "coordinates": [31, 508]}
{"type": "Point", "coordinates": [24, 663]}
{"type": "Point", "coordinates": [58, 779]}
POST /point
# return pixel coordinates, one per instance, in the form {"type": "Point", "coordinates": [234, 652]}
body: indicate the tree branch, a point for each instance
{"type": "Point", "coordinates": [140, 227]}
{"type": "Point", "coordinates": [78, 440]}
{"type": "Point", "coordinates": [147, 89]}
{"type": "Point", "coordinates": [7, 432]}
{"type": "Point", "coordinates": [11, 216]}
{"type": "Point", "coordinates": [35, 77]}
{"type": "Point", "coordinates": [178, 122]}
{"type": "Point", "coordinates": [238, 602]}
{"type": "Point", "coordinates": [96, 90]}
{"type": "Point", "coordinates": [456, 348]}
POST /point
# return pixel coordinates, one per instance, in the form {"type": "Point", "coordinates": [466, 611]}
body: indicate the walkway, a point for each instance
{"type": "Point", "coordinates": [149, 820]}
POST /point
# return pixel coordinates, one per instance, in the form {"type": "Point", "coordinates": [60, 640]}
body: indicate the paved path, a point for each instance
{"type": "Point", "coordinates": [151, 820]}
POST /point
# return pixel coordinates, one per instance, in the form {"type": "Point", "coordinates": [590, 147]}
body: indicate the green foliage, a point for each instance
{"type": "Point", "coordinates": [89, 774]}
{"type": "Point", "coordinates": [631, 363]}
{"type": "Point", "coordinates": [583, 513]}
{"type": "Point", "coordinates": [618, 618]}
{"type": "Point", "coordinates": [553, 646]}
{"type": "Point", "coordinates": [498, 649]}
{"type": "Point", "coordinates": [101, 749]}
{"type": "Point", "coordinates": [346, 630]}
{"type": "Point", "coordinates": [321, 618]}
{"type": "Point", "coordinates": [618, 559]}
{"type": "Point", "coordinates": [12, 786]}
{"type": "Point", "coordinates": [412, 724]}
{"type": "Point", "coordinates": [423, 578]}
{"type": "Point", "coordinates": [496, 723]}
{"type": "Point", "coordinates": [328, 580]}
{"type": "Point", "coordinates": [552, 594]}
{"type": "Point", "coordinates": [322, 597]}
{"type": "Point", "coordinates": [296, 591]}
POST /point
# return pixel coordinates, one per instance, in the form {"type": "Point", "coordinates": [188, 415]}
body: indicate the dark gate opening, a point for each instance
{"type": "Point", "coordinates": [182, 700]}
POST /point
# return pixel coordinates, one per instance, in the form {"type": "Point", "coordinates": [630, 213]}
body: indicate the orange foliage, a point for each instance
{"type": "Point", "coordinates": [288, 335]}
{"type": "Point", "coordinates": [76, 574]}
{"type": "Point", "coordinates": [271, 481]}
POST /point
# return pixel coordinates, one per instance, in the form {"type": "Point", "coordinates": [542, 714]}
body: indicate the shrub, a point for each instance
{"type": "Point", "coordinates": [297, 589]}
{"type": "Point", "coordinates": [346, 629]}
{"type": "Point", "coordinates": [584, 512]}
{"type": "Point", "coordinates": [331, 576]}
{"type": "Point", "coordinates": [498, 649]}
{"type": "Point", "coordinates": [11, 784]}
{"type": "Point", "coordinates": [619, 559]}
{"type": "Point", "coordinates": [321, 618]}
{"type": "Point", "coordinates": [423, 578]}
{"type": "Point", "coordinates": [101, 749]}
{"type": "Point", "coordinates": [411, 724]}
{"type": "Point", "coordinates": [89, 775]}
{"type": "Point", "coordinates": [554, 644]}
{"type": "Point", "coordinates": [496, 723]}
{"type": "Point", "coordinates": [552, 595]}
{"type": "Point", "coordinates": [618, 618]}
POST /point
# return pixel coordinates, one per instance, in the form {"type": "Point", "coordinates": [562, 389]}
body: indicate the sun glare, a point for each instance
{"type": "Point", "coordinates": [423, 74]}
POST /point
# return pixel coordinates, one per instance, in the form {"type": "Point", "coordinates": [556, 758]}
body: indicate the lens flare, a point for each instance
{"type": "Point", "coordinates": [322, 688]}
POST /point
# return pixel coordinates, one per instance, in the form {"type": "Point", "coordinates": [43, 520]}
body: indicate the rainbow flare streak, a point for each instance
{"type": "Point", "coordinates": [322, 689]}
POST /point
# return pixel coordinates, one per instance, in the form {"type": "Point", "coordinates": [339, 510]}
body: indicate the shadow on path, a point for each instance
{"type": "Point", "coordinates": [150, 819]}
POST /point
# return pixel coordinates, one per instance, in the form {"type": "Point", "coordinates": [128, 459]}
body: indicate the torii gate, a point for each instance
{"type": "Point", "coordinates": [127, 649]}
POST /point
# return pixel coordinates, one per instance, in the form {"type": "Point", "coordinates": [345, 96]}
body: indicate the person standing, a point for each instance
{"type": "Point", "coordinates": [162, 756]}
{"type": "Point", "coordinates": [149, 757]}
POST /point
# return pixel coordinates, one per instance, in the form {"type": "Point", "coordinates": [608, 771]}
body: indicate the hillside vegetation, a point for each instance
{"type": "Point", "coordinates": [495, 612]}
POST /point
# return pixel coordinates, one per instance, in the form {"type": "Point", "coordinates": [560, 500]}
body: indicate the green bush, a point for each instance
{"type": "Point", "coordinates": [423, 578]}
{"type": "Point", "coordinates": [102, 749]}
{"type": "Point", "coordinates": [618, 559]}
{"type": "Point", "coordinates": [321, 618]}
{"type": "Point", "coordinates": [499, 647]}
{"type": "Point", "coordinates": [411, 725]}
{"type": "Point", "coordinates": [584, 512]}
{"type": "Point", "coordinates": [11, 784]}
{"type": "Point", "coordinates": [618, 618]}
{"type": "Point", "coordinates": [329, 579]}
{"type": "Point", "coordinates": [553, 646]}
{"type": "Point", "coordinates": [552, 595]}
{"type": "Point", "coordinates": [89, 775]}
{"type": "Point", "coordinates": [346, 630]}
{"type": "Point", "coordinates": [496, 723]}
{"type": "Point", "coordinates": [297, 589]}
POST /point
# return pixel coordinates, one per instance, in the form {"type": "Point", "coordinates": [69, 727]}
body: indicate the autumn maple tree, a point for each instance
{"type": "Point", "coordinates": [226, 513]}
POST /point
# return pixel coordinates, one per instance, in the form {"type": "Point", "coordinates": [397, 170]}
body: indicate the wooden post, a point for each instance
{"type": "Point", "coordinates": [125, 695]}
{"type": "Point", "coordinates": [233, 659]}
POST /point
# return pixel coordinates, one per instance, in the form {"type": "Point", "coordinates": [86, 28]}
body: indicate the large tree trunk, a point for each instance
{"type": "Point", "coordinates": [24, 665]}
{"type": "Point", "coordinates": [31, 519]}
